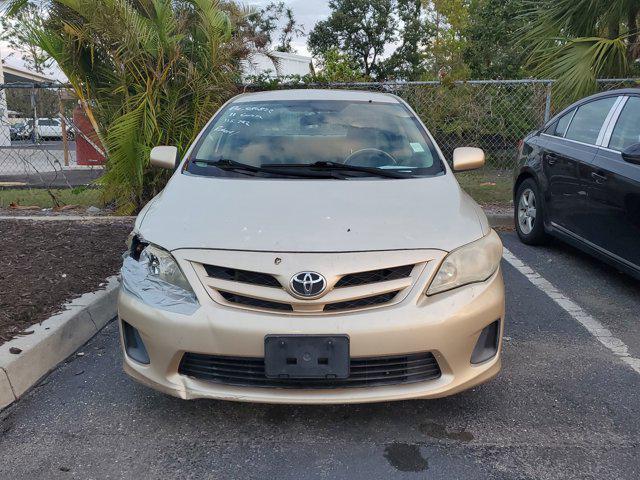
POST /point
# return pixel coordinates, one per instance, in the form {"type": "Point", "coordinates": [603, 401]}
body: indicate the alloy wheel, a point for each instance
{"type": "Point", "coordinates": [527, 211]}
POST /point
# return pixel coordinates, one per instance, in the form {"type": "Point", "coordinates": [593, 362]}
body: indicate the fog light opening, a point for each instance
{"type": "Point", "coordinates": [487, 345]}
{"type": "Point", "coordinates": [133, 344]}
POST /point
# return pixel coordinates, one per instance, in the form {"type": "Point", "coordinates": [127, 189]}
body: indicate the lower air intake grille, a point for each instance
{"type": "Point", "coordinates": [365, 371]}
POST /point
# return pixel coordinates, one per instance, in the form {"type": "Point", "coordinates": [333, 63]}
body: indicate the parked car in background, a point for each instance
{"type": "Point", "coordinates": [51, 128]}
{"type": "Point", "coordinates": [578, 179]}
{"type": "Point", "coordinates": [20, 131]}
{"type": "Point", "coordinates": [343, 263]}
{"type": "Point", "coordinates": [47, 128]}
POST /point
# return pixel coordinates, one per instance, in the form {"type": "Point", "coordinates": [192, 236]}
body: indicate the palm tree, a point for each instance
{"type": "Point", "coordinates": [146, 72]}
{"type": "Point", "coordinates": [578, 41]}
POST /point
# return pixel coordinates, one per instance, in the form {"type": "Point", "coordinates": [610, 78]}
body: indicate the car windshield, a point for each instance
{"type": "Point", "coordinates": [356, 138]}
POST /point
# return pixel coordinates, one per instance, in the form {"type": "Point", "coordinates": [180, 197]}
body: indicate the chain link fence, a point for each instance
{"type": "Point", "coordinates": [493, 115]}
{"type": "Point", "coordinates": [38, 138]}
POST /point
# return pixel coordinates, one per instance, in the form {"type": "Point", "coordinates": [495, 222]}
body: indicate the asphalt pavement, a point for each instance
{"type": "Point", "coordinates": [563, 407]}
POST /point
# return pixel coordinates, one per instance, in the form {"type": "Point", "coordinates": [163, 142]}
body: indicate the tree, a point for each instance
{"type": "Point", "coordinates": [146, 72]}
{"type": "Point", "coordinates": [265, 23]}
{"type": "Point", "coordinates": [490, 50]}
{"type": "Point", "coordinates": [359, 28]}
{"type": "Point", "coordinates": [449, 19]}
{"type": "Point", "coordinates": [337, 67]}
{"type": "Point", "coordinates": [15, 31]}
{"type": "Point", "coordinates": [408, 61]}
{"type": "Point", "coordinates": [578, 41]}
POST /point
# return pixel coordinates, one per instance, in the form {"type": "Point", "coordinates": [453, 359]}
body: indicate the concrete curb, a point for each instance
{"type": "Point", "coordinates": [500, 220]}
{"type": "Point", "coordinates": [54, 340]}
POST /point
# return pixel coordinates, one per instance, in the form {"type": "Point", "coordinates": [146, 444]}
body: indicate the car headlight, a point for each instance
{"type": "Point", "coordinates": [162, 265]}
{"type": "Point", "coordinates": [153, 276]}
{"type": "Point", "coordinates": [471, 263]}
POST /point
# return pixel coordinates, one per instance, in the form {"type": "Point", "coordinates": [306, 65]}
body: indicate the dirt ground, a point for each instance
{"type": "Point", "coordinates": [47, 263]}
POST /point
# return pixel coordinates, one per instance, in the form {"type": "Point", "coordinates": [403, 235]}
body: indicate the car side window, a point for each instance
{"type": "Point", "coordinates": [627, 129]}
{"type": "Point", "coordinates": [587, 122]}
{"type": "Point", "coordinates": [562, 124]}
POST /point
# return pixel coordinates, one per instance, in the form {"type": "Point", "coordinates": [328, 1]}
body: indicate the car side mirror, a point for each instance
{"type": "Point", "coordinates": [164, 156]}
{"type": "Point", "coordinates": [467, 158]}
{"type": "Point", "coordinates": [631, 154]}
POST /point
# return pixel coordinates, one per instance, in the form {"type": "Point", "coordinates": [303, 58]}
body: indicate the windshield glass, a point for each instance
{"type": "Point", "coordinates": [275, 135]}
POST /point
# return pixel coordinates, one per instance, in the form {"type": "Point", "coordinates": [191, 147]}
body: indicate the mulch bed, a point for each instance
{"type": "Point", "coordinates": [44, 264]}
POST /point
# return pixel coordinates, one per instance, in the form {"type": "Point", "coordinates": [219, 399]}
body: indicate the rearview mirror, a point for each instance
{"type": "Point", "coordinates": [631, 154]}
{"type": "Point", "coordinates": [467, 158]}
{"type": "Point", "coordinates": [164, 156]}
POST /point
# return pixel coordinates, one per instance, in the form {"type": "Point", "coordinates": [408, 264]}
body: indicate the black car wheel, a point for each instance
{"type": "Point", "coordinates": [529, 213]}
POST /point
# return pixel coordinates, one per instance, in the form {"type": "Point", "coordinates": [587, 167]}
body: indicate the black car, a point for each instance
{"type": "Point", "coordinates": [578, 179]}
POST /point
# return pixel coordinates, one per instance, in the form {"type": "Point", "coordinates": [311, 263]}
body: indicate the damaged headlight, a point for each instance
{"type": "Point", "coordinates": [153, 275]}
{"type": "Point", "coordinates": [471, 263]}
{"type": "Point", "coordinates": [162, 264]}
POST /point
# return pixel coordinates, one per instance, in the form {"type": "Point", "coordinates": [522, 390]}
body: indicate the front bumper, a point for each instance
{"type": "Point", "coordinates": [447, 325]}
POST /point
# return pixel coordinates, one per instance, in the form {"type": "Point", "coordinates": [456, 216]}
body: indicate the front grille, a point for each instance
{"type": "Point", "coordinates": [364, 371]}
{"type": "Point", "coordinates": [361, 302]}
{"type": "Point", "coordinates": [255, 302]}
{"type": "Point", "coordinates": [375, 276]}
{"type": "Point", "coordinates": [243, 276]}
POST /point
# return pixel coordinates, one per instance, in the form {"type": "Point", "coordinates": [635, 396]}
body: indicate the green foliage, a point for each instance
{"type": "Point", "coordinates": [491, 51]}
{"type": "Point", "coordinates": [147, 72]}
{"type": "Point", "coordinates": [265, 23]}
{"type": "Point", "coordinates": [578, 41]}
{"type": "Point", "coordinates": [358, 28]}
{"type": "Point", "coordinates": [408, 61]}
{"type": "Point", "coordinates": [492, 117]}
{"type": "Point", "coordinates": [449, 20]}
{"type": "Point", "coordinates": [337, 67]}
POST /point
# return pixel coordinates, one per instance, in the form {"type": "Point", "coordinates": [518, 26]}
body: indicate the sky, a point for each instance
{"type": "Point", "coordinates": [306, 12]}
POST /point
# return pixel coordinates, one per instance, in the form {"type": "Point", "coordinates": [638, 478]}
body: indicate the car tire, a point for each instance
{"type": "Point", "coordinates": [529, 213]}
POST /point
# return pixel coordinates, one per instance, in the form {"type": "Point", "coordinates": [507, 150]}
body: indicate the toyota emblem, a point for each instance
{"type": "Point", "coordinates": [307, 284]}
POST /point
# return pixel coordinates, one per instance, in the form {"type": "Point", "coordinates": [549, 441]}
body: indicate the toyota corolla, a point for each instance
{"type": "Point", "coordinates": [312, 246]}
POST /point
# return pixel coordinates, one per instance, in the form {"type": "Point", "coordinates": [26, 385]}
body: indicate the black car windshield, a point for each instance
{"type": "Point", "coordinates": [308, 138]}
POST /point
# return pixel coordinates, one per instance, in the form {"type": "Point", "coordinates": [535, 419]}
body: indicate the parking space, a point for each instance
{"type": "Point", "coordinates": [564, 406]}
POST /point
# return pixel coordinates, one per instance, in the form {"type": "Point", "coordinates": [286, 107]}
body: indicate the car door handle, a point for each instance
{"type": "Point", "coordinates": [598, 178]}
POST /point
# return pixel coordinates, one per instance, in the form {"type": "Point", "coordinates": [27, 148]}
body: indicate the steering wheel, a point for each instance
{"type": "Point", "coordinates": [372, 153]}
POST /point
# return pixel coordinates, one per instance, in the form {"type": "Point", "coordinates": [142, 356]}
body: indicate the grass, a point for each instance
{"type": "Point", "coordinates": [488, 187]}
{"type": "Point", "coordinates": [41, 197]}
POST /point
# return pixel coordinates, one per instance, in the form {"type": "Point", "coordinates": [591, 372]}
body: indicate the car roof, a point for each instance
{"type": "Point", "coordinates": [316, 94]}
{"type": "Point", "coordinates": [608, 93]}
{"type": "Point", "coordinates": [595, 96]}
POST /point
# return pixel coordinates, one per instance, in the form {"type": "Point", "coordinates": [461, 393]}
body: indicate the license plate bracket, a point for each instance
{"type": "Point", "coordinates": [306, 356]}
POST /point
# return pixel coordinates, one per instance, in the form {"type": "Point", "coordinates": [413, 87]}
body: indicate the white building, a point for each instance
{"type": "Point", "coordinates": [14, 74]}
{"type": "Point", "coordinates": [282, 65]}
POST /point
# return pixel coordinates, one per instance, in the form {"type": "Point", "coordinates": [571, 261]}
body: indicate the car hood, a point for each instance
{"type": "Point", "coordinates": [280, 215]}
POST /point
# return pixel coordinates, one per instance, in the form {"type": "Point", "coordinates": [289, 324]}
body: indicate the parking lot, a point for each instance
{"type": "Point", "coordinates": [566, 405]}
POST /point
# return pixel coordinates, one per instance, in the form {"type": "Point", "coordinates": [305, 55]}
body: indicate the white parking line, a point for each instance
{"type": "Point", "coordinates": [595, 328]}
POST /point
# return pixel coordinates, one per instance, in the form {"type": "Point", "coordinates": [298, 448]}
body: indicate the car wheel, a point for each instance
{"type": "Point", "coordinates": [529, 213]}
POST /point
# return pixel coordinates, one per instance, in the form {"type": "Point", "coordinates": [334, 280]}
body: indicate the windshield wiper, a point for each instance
{"type": "Point", "coordinates": [333, 166]}
{"type": "Point", "coordinates": [232, 165]}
